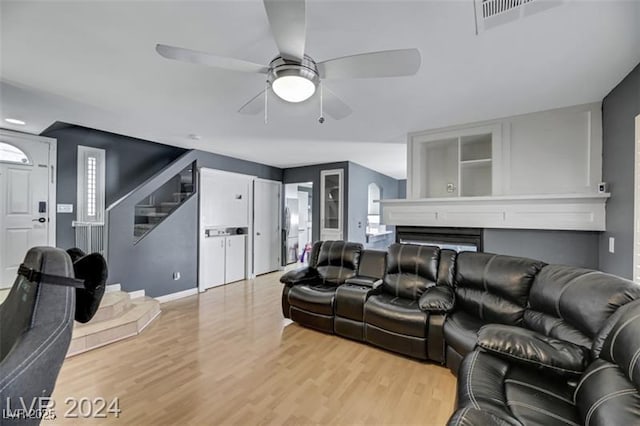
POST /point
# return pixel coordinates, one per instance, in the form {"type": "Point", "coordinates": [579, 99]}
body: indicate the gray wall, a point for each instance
{"type": "Point", "coordinates": [402, 188]}
{"type": "Point", "coordinates": [129, 162]}
{"type": "Point", "coordinates": [574, 248]}
{"type": "Point", "coordinates": [359, 179]}
{"type": "Point", "coordinates": [619, 109]}
{"type": "Point", "coordinates": [312, 174]}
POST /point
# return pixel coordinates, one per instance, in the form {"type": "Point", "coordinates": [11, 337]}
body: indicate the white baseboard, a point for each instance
{"type": "Point", "coordinates": [178, 295]}
{"type": "Point", "coordinates": [113, 287]}
{"type": "Point", "coordinates": [136, 294]}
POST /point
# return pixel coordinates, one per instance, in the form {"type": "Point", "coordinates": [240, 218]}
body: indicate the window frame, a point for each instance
{"type": "Point", "coordinates": [96, 212]}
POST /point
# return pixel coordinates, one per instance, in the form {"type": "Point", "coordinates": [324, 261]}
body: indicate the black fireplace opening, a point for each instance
{"type": "Point", "coordinates": [458, 239]}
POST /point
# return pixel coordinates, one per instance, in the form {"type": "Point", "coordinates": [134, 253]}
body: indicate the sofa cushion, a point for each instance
{"type": "Point", "coordinates": [373, 264]}
{"type": "Point", "coordinates": [461, 331]}
{"type": "Point", "coordinates": [316, 298]}
{"type": "Point", "coordinates": [337, 261]}
{"type": "Point", "coordinates": [494, 288]}
{"type": "Point", "coordinates": [511, 392]}
{"type": "Point", "coordinates": [573, 304]}
{"type": "Point", "coordinates": [396, 314]}
{"type": "Point", "coordinates": [410, 270]}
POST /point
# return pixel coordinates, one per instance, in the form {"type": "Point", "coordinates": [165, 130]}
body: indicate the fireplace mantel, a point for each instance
{"type": "Point", "coordinates": [578, 212]}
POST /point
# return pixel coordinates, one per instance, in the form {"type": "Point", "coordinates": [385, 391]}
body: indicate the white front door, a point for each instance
{"type": "Point", "coordinates": [26, 194]}
{"type": "Point", "coordinates": [266, 200]}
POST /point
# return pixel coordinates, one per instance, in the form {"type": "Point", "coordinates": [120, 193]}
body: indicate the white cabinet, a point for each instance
{"type": "Point", "coordinates": [235, 258]}
{"type": "Point", "coordinates": [225, 198]}
{"type": "Point", "coordinates": [222, 260]}
{"type": "Point", "coordinates": [331, 205]}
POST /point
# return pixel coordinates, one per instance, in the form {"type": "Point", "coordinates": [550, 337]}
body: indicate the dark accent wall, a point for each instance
{"type": "Point", "coordinates": [576, 248]}
{"type": "Point", "coordinates": [312, 174]}
{"type": "Point", "coordinates": [402, 188]}
{"type": "Point", "coordinates": [359, 179]}
{"type": "Point", "coordinates": [129, 162]}
{"type": "Point", "coordinates": [619, 109]}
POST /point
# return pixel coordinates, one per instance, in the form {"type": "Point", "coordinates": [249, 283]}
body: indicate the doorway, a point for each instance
{"type": "Point", "coordinates": [298, 221]}
{"type": "Point", "coordinates": [27, 191]}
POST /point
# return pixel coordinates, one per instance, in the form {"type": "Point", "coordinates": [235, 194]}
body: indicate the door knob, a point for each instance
{"type": "Point", "coordinates": [41, 220]}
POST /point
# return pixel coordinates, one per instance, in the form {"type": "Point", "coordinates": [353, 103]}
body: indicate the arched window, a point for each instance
{"type": "Point", "coordinates": [12, 154]}
{"type": "Point", "coordinates": [374, 195]}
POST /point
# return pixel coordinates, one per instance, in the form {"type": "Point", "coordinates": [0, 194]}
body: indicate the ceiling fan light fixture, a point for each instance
{"type": "Point", "coordinates": [293, 88]}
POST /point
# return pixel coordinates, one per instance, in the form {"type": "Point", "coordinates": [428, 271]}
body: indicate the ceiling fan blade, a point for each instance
{"type": "Point", "coordinates": [288, 22]}
{"type": "Point", "coordinates": [254, 106]}
{"type": "Point", "coordinates": [386, 63]}
{"type": "Point", "coordinates": [333, 105]}
{"type": "Point", "coordinates": [203, 58]}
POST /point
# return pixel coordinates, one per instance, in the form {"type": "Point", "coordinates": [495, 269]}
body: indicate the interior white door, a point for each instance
{"type": "Point", "coordinates": [267, 233]}
{"type": "Point", "coordinates": [303, 220]}
{"type": "Point", "coordinates": [235, 258]}
{"type": "Point", "coordinates": [25, 202]}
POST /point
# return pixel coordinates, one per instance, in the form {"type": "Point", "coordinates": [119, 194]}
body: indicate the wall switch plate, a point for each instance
{"type": "Point", "coordinates": [176, 276]}
{"type": "Point", "coordinates": [612, 245]}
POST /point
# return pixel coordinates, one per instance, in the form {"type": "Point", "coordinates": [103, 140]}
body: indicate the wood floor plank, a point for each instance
{"type": "Point", "coordinates": [227, 356]}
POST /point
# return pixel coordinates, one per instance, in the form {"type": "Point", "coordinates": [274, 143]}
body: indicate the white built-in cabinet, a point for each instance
{"type": "Point", "coordinates": [224, 260]}
{"type": "Point", "coordinates": [332, 205]}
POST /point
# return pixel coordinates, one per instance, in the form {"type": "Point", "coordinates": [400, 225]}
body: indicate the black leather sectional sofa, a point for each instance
{"type": "Point", "coordinates": [531, 343]}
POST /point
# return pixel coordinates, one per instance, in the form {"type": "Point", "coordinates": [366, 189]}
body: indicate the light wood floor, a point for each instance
{"type": "Point", "coordinates": [228, 356]}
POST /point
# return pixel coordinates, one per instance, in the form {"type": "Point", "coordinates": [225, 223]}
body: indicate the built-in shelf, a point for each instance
{"type": "Point", "coordinates": [583, 212]}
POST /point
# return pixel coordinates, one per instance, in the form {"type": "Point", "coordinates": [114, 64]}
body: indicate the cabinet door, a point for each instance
{"type": "Point", "coordinates": [212, 262]}
{"type": "Point", "coordinates": [235, 258]}
{"type": "Point", "coordinates": [331, 208]}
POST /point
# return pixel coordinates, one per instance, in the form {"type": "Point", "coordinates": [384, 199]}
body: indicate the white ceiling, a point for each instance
{"type": "Point", "coordinates": [93, 63]}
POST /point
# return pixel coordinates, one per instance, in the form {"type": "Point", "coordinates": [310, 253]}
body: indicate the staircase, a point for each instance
{"type": "Point", "coordinates": [118, 317]}
{"type": "Point", "coordinates": [157, 206]}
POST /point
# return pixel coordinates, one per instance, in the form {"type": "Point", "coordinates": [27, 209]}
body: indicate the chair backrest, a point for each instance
{"type": "Point", "coordinates": [335, 261]}
{"type": "Point", "coordinates": [573, 304]}
{"type": "Point", "coordinates": [608, 392]}
{"type": "Point", "coordinates": [411, 269]}
{"type": "Point", "coordinates": [493, 287]}
{"type": "Point", "coordinates": [373, 264]}
{"type": "Point", "coordinates": [36, 321]}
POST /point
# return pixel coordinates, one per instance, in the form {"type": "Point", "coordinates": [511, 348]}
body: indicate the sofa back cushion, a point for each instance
{"type": "Point", "coordinates": [411, 269]}
{"type": "Point", "coordinates": [573, 304]}
{"type": "Point", "coordinates": [373, 264]}
{"type": "Point", "coordinates": [447, 267]}
{"type": "Point", "coordinates": [335, 261]}
{"type": "Point", "coordinates": [493, 287]}
{"type": "Point", "coordinates": [607, 393]}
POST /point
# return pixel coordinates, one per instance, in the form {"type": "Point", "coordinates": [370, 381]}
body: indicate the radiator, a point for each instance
{"type": "Point", "coordinates": [90, 236]}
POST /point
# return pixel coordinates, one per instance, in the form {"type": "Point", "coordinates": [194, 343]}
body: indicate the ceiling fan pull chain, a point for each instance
{"type": "Point", "coordinates": [266, 94]}
{"type": "Point", "coordinates": [321, 119]}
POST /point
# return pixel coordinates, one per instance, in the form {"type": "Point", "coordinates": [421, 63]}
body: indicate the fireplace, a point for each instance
{"type": "Point", "coordinates": [459, 239]}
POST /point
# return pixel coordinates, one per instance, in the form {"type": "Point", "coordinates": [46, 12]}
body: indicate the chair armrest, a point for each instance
{"type": "Point", "coordinates": [439, 298]}
{"type": "Point", "coordinates": [366, 281]}
{"type": "Point", "coordinates": [477, 417]}
{"type": "Point", "coordinates": [299, 276]}
{"type": "Point", "coordinates": [533, 349]}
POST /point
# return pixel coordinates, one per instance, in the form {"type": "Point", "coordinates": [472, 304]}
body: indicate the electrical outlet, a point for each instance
{"type": "Point", "coordinates": [176, 276]}
{"type": "Point", "coordinates": [612, 245]}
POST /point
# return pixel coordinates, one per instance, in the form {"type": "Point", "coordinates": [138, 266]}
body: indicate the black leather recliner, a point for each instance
{"type": "Point", "coordinates": [511, 386]}
{"type": "Point", "coordinates": [489, 289]}
{"type": "Point", "coordinates": [397, 317]}
{"type": "Point", "coordinates": [309, 293]}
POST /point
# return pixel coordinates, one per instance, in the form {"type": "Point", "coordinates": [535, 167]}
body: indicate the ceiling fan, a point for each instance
{"type": "Point", "coordinates": [293, 75]}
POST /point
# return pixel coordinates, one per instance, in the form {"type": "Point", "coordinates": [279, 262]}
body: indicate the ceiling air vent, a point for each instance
{"type": "Point", "coordinates": [491, 13]}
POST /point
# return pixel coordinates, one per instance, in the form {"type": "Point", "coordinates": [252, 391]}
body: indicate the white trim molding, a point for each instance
{"type": "Point", "coordinates": [177, 295]}
{"type": "Point", "coordinates": [577, 212]}
{"type": "Point", "coordinates": [636, 217]}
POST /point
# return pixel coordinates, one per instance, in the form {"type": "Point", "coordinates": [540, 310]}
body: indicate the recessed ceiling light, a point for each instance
{"type": "Point", "coordinates": [15, 121]}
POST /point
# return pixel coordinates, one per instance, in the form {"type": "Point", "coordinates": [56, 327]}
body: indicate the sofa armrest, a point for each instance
{"type": "Point", "coordinates": [439, 298]}
{"type": "Point", "coordinates": [366, 281]}
{"type": "Point", "coordinates": [469, 416]}
{"type": "Point", "coordinates": [299, 276]}
{"type": "Point", "coordinates": [533, 349]}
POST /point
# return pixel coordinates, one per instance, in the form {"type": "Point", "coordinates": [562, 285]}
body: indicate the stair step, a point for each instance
{"type": "Point", "coordinates": [112, 305]}
{"type": "Point", "coordinates": [132, 321]}
{"type": "Point", "coordinates": [153, 214]}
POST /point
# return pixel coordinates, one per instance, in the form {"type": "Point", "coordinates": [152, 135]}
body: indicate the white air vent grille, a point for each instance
{"type": "Point", "coordinates": [494, 7]}
{"type": "Point", "coordinates": [491, 13]}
